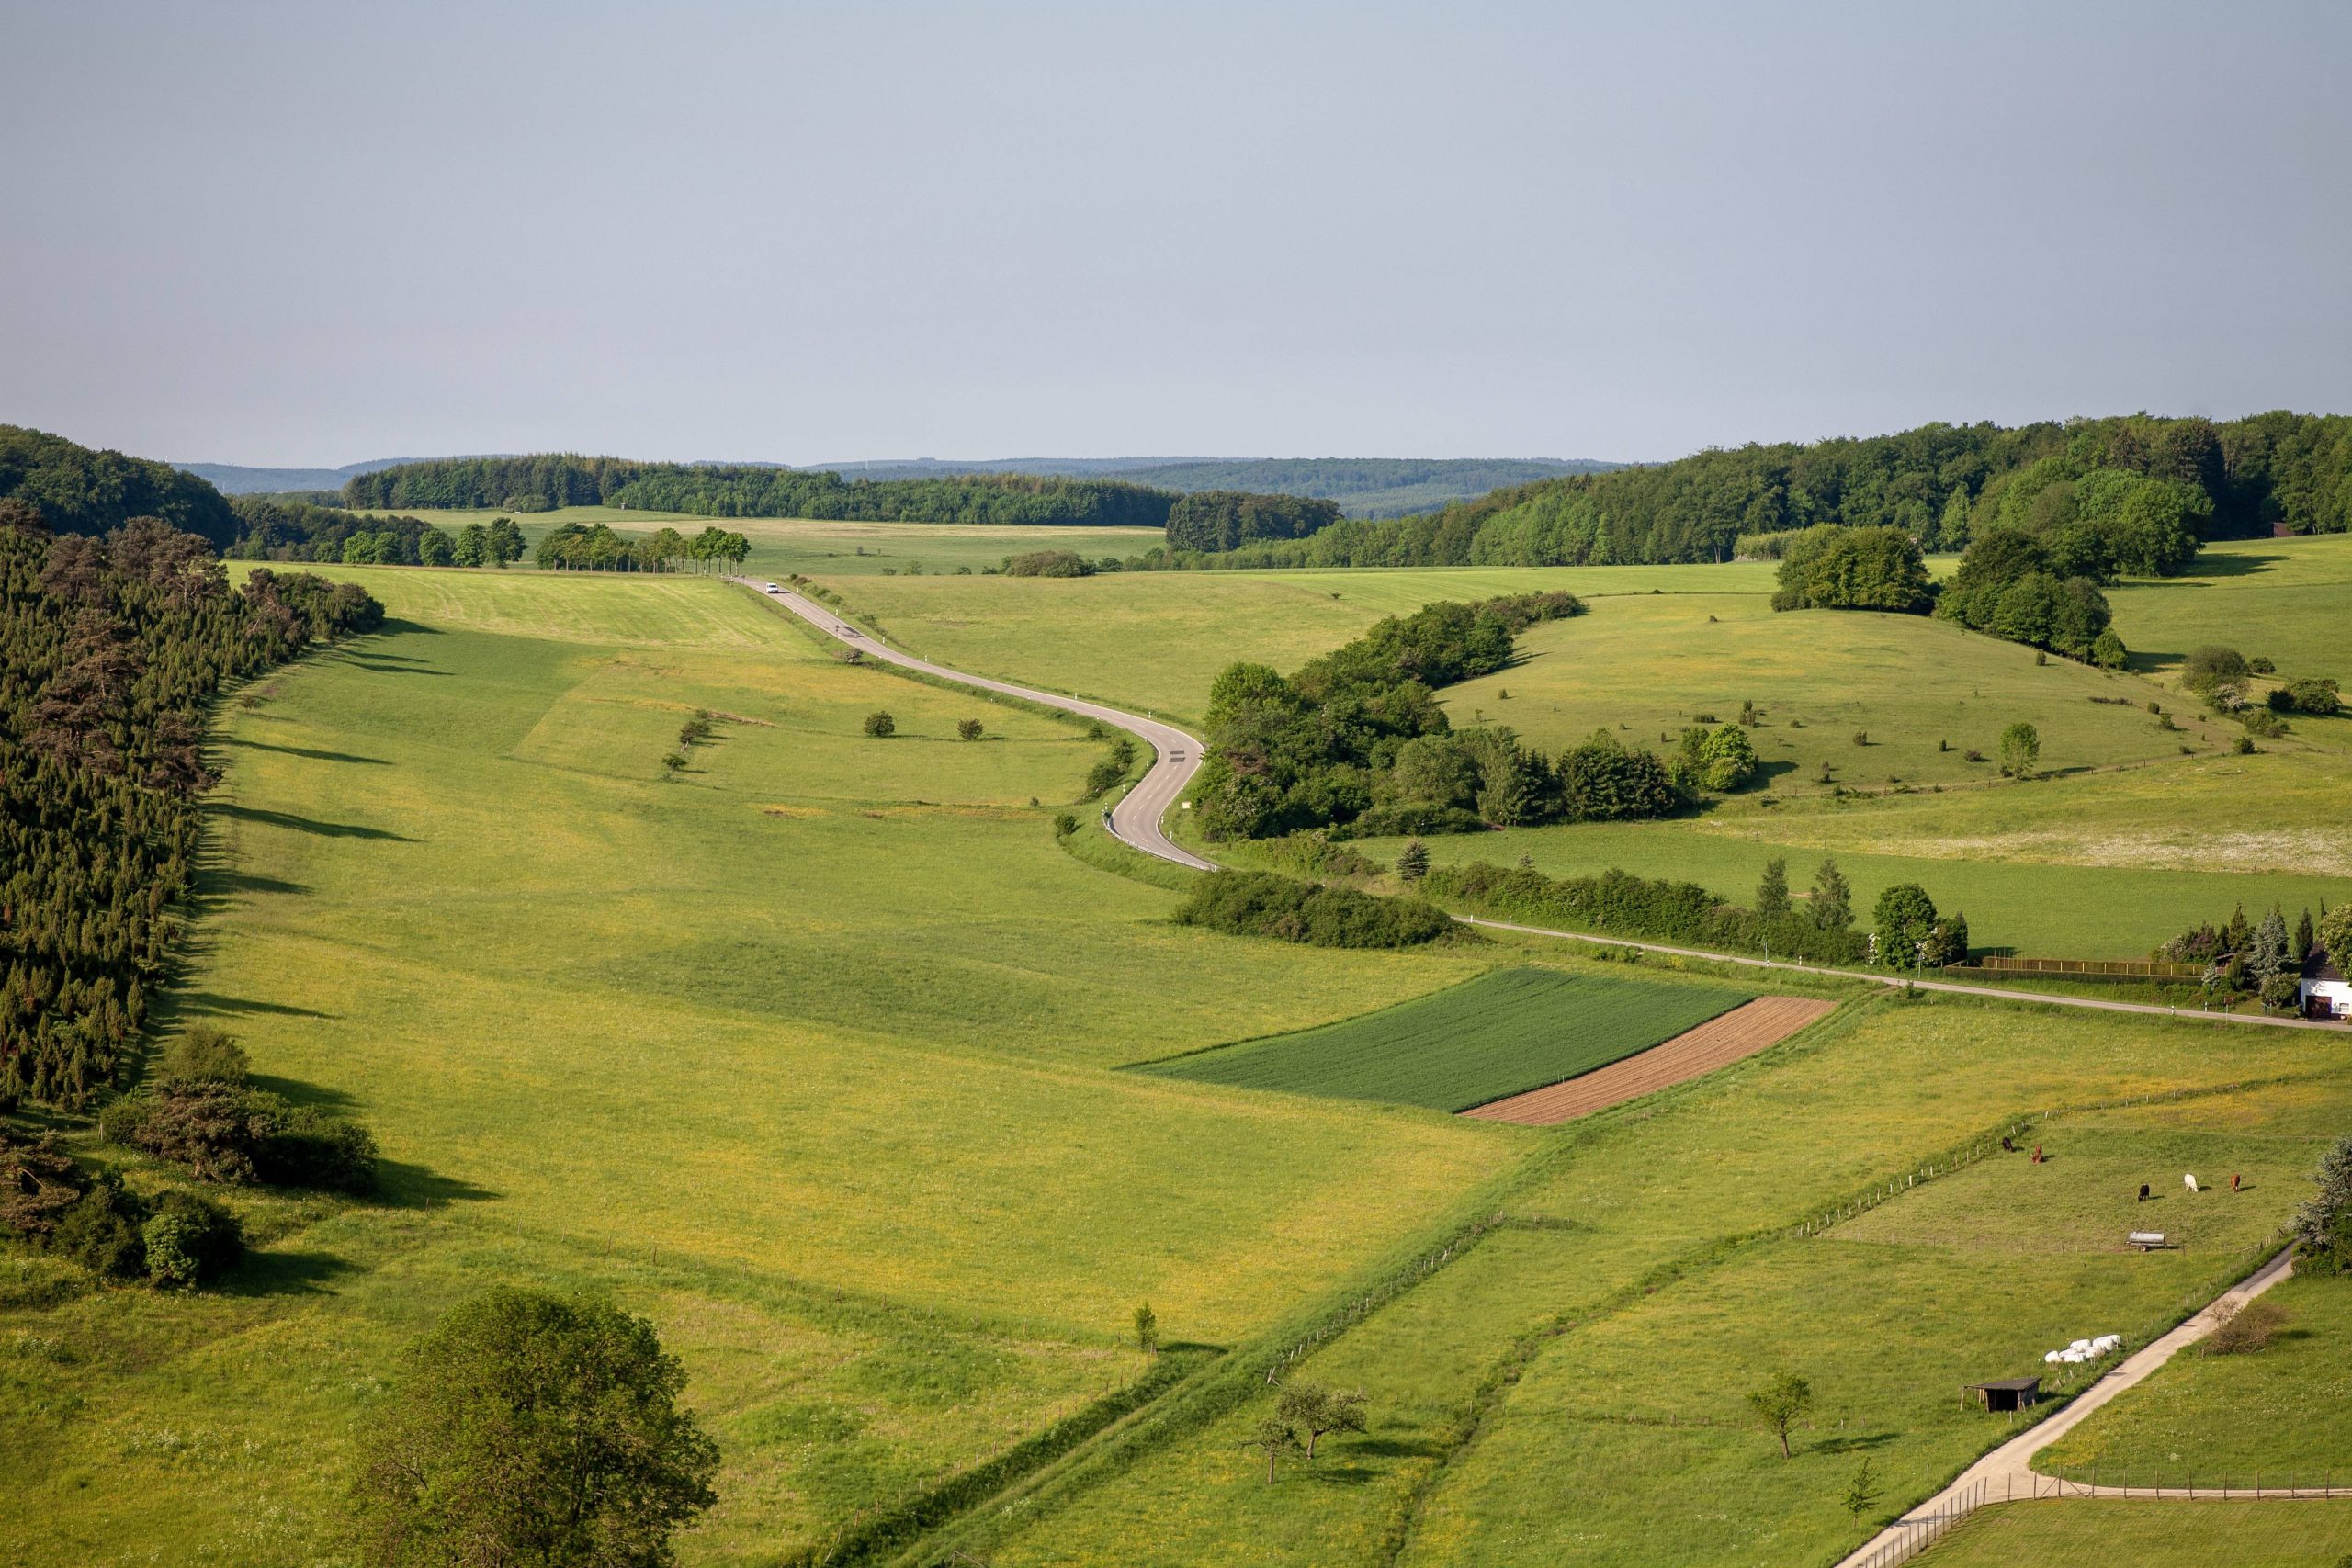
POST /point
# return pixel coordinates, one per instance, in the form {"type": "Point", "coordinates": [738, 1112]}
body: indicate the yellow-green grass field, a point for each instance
{"type": "Point", "coordinates": [2115, 1533]}
{"type": "Point", "coordinates": [805, 1053]}
{"type": "Point", "coordinates": [1640, 1280]}
{"type": "Point", "coordinates": [2289, 599]}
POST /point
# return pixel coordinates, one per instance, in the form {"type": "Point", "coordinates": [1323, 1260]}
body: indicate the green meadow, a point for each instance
{"type": "Point", "coordinates": [1507, 1032]}
{"type": "Point", "coordinates": [1571, 1387]}
{"type": "Point", "coordinates": [805, 1053]}
{"type": "Point", "coordinates": [2113, 1533]}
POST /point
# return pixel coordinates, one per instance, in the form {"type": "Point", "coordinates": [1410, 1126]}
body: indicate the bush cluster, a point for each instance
{"type": "Point", "coordinates": [203, 1113]}
{"type": "Point", "coordinates": [1258, 903]}
{"type": "Point", "coordinates": [1620, 904]}
{"type": "Point", "coordinates": [177, 1240]}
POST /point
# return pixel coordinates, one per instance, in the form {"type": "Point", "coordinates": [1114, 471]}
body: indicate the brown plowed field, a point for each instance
{"type": "Point", "coordinates": [1743, 1032]}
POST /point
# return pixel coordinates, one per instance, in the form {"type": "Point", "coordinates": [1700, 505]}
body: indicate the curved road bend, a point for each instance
{"type": "Point", "coordinates": [1176, 756]}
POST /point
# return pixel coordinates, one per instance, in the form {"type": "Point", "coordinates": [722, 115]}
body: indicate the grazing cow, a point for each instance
{"type": "Point", "coordinates": [2233, 1181]}
{"type": "Point", "coordinates": [2189, 1181]}
{"type": "Point", "coordinates": [2144, 1192]}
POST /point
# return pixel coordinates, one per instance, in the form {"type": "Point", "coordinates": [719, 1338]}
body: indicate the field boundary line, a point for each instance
{"type": "Point", "coordinates": [1904, 982]}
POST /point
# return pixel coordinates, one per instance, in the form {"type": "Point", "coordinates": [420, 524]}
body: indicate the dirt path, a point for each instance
{"type": "Point", "coordinates": [1743, 1032]}
{"type": "Point", "coordinates": [1176, 755]}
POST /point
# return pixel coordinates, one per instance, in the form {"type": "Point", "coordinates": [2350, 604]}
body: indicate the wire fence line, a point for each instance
{"type": "Point", "coordinates": [1916, 1532]}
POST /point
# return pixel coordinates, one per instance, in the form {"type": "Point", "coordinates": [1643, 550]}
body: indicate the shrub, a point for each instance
{"type": "Point", "coordinates": [2312, 694]}
{"type": "Point", "coordinates": [2322, 1226]}
{"type": "Point", "coordinates": [2250, 1326]}
{"type": "Point", "coordinates": [2262, 664]}
{"type": "Point", "coordinates": [2263, 722]}
{"type": "Point", "coordinates": [1413, 861]}
{"type": "Point", "coordinates": [102, 1233]}
{"type": "Point", "coordinates": [2020, 749]}
{"type": "Point", "coordinates": [880, 725]}
{"type": "Point", "coordinates": [38, 1183]}
{"type": "Point", "coordinates": [1049, 563]}
{"type": "Point", "coordinates": [2212, 668]}
{"type": "Point", "coordinates": [1064, 824]}
{"type": "Point", "coordinates": [231, 1134]}
{"type": "Point", "coordinates": [969, 728]}
{"type": "Point", "coordinates": [190, 1242]}
{"type": "Point", "coordinates": [201, 1053]}
{"type": "Point", "coordinates": [1253, 903]}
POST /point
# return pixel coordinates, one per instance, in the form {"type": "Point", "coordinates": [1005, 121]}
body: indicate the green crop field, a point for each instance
{"type": "Point", "coordinates": [1502, 1033]}
{"type": "Point", "coordinates": [2104, 1533]}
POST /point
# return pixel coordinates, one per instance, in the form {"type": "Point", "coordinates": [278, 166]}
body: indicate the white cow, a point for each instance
{"type": "Point", "coordinates": [2189, 1181]}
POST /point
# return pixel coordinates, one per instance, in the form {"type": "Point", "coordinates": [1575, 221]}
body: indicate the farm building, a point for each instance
{"type": "Point", "coordinates": [2006, 1394]}
{"type": "Point", "coordinates": [2326, 993]}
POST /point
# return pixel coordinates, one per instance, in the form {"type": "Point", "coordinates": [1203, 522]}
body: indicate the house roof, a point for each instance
{"type": "Point", "coordinates": [2318, 967]}
{"type": "Point", "coordinates": [2010, 1385]}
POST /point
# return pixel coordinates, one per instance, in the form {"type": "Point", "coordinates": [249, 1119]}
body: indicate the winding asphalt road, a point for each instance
{"type": "Point", "coordinates": [1176, 756]}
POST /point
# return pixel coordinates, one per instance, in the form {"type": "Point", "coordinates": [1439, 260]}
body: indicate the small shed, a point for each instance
{"type": "Point", "coordinates": [2004, 1394]}
{"type": "Point", "coordinates": [2326, 993]}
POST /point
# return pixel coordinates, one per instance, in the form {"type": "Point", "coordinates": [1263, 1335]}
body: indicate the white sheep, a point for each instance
{"type": "Point", "coordinates": [2189, 1181]}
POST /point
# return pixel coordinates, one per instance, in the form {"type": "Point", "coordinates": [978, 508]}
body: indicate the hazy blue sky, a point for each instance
{"type": "Point", "coordinates": [318, 233]}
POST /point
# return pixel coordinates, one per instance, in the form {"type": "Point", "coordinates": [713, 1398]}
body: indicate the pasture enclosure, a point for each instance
{"type": "Point", "coordinates": [2101, 1532]}
{"type": "Point", "coordinates": [1502, 1033]}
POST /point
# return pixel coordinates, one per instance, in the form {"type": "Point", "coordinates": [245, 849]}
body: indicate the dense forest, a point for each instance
{"type": "Point", "coordinates": [79, 490]}
{"type": "Point", "coordinates": [1364, 487]}
{"type": "Point", "coordinates": [1943, 484]}
{"type": "Point", "coordinates": [111, 649]}
{"type": "Point", "coordinates": [280, 528]}
{"type": "Point", "coordinates": [1227, 519]}
{"type": "Point", "coordinates": [547, 481]}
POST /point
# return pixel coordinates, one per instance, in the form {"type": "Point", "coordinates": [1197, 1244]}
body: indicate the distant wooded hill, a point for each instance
{"type": "Point", "coordinates": [1943, 484]}
{"type": "Point", "coordinates": [1364, 487]}
{"type": "Point", "coordinates": [235, 479]}
{"type": "Point", "coordinates": [80, 490]}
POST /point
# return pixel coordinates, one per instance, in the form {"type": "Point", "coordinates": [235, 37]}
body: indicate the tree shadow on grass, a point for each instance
{"type": "Point", "coordinates": [1859, 1443]}
{"type": "Point", "coordinates": [311, 752]}
{"type": "Point", "coordinates": [300, 1093]}
{"type": "Point", "coordinates": [303, 824]}
{"type": "Point", "coordinates": [1394, 1447]}
{"type": "Point", "coordinates": [214, 885]}
{"type": "Point", "coordinates": [285, 1274]}
{"type": "Point", "coordinates": [212, 1004]}
{"type": "Point", "coordinates": [400, 1185]}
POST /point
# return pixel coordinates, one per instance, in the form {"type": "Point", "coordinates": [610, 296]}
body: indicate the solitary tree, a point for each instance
{"type": "Point", "coordinates": [1147, 1328]}
{"type": "Point", "coordinates": [1273, 1438]}
{"type": "Point", "coordinates": [1782, 1402]}
{"type": "Point", "coordinates": [1315, 1410]}
{"type": "Point", "coordinates": [969, 728]}
{"type": "Point", "coordinates": [880, 725]}
{"type": "Point", "coordinates": [1832, 899]}
{"type": "Point", "coordinates": [1864, 1490]}
{"type": "Point", "coordinates": [2324, 1225]}
{"type": "Point", "coordinates": [1772, 890]}
{"type": "Point", "coordinates": [1905, 918]}
{"type": "Point", "coordinates": [2334, 933]}
{"type": "Point", "coordinates": [1413, 861]}
{"type": "Point", "coordinates": [533, 1429]}
{"type": "Point", "coordinates": [2020, 749]}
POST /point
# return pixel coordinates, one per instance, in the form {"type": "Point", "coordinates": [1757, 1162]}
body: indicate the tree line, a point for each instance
{"type": "Point", "coordinates": [1356, 744]}
{"type": "Point", "coordinates": [2143, 482]}
{"type": "Point", "coordinates": [543, 482]}
{"type": "Point", "coordinates": [281, 529]}
{"type": "Point", "coordinates": [594, 547]}
{"type": "Point", "coordinates": [112, 650]}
